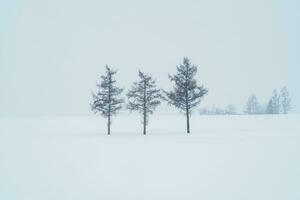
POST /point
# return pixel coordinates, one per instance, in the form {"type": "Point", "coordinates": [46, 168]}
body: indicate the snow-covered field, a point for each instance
{"type": "Point", "coordinates": [225, 157]}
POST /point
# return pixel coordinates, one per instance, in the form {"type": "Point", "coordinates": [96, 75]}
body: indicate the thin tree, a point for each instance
{"type": "Point", "coordinates": [252, 106]}
{"type": "Point", "coordinates": [144, 97]}
{"type": "Point", "coordinates": [107, 100]}
{"type": "Point", "coordinates": [285, 101]}
{"type": "Point", "coordinates": [186, 93]}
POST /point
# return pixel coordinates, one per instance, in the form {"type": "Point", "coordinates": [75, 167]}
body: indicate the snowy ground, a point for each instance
{"type": "Point", "coordinates": [225, 157]}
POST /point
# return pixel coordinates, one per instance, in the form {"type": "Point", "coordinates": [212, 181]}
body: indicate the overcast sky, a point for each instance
{"type": "Point", "coordinates": [53, 52]}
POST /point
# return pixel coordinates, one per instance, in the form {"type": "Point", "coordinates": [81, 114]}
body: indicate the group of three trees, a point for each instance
{"type": "Point", "coordinates": [144, 95]}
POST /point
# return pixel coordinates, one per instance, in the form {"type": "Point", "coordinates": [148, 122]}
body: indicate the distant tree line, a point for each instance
{"type": "Point", "coordinates": [230, 109]}
{"type": "Point", "coordinates": [144, 96]}
{"type": "Point", "coordinates": [279, 103]}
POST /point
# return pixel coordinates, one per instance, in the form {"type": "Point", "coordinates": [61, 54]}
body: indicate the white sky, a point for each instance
{"type": "Point", "coordinates": [53, 52]}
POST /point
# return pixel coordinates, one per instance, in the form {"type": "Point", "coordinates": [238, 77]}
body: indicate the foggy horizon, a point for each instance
{"type": "Point", "coordinates": [52, 54]}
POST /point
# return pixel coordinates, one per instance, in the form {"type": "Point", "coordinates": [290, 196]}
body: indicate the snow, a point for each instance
{"type": "Point", "coordinates": [224, 157]}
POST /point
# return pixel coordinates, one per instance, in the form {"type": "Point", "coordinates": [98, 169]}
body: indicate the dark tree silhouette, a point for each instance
{"type": "Point", "coordinates": [186, 94]}
{"type": "Point", "coordinates": [107, 101]}
{"type": "Point", "coordinates": [144, 97]}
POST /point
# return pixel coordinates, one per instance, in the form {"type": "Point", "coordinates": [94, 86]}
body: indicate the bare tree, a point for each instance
{"type": "Point", "coordinates": [186, 94]}
{"type": "Point", "coordinates": [144, 97]}
{"type": "Point", "coordinates": [107, 101]}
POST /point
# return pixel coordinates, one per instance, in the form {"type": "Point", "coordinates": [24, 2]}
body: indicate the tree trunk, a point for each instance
{"type": "Point", "coordinates": [109, 105]}
{"type": "Point", "coordinates": [188, 121]}
{"type": "Point", "coordinates": [108, 125]}
{"type": "Point", "coordinates": [187, 111]}
{"type": "Point", "coordinates": [144, 124]}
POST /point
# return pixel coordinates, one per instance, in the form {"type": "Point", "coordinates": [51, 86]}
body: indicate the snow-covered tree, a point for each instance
{"type": "Point", "coordinates": [186, 94]}
{"type": "Point", "coordinates": [144, 97]}
{"type": "Point", "coordinates": [107, 100]}
{"type": "Point", "coordinates": [252, 106]}
{"type": "Point", "coordinates": [285, 101]}
{"type": "Point", "coordinates": [273, 106]}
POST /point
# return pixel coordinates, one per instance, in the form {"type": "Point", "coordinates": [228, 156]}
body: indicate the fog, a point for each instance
{"type": "Point", "coordinates": [52, 53]}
